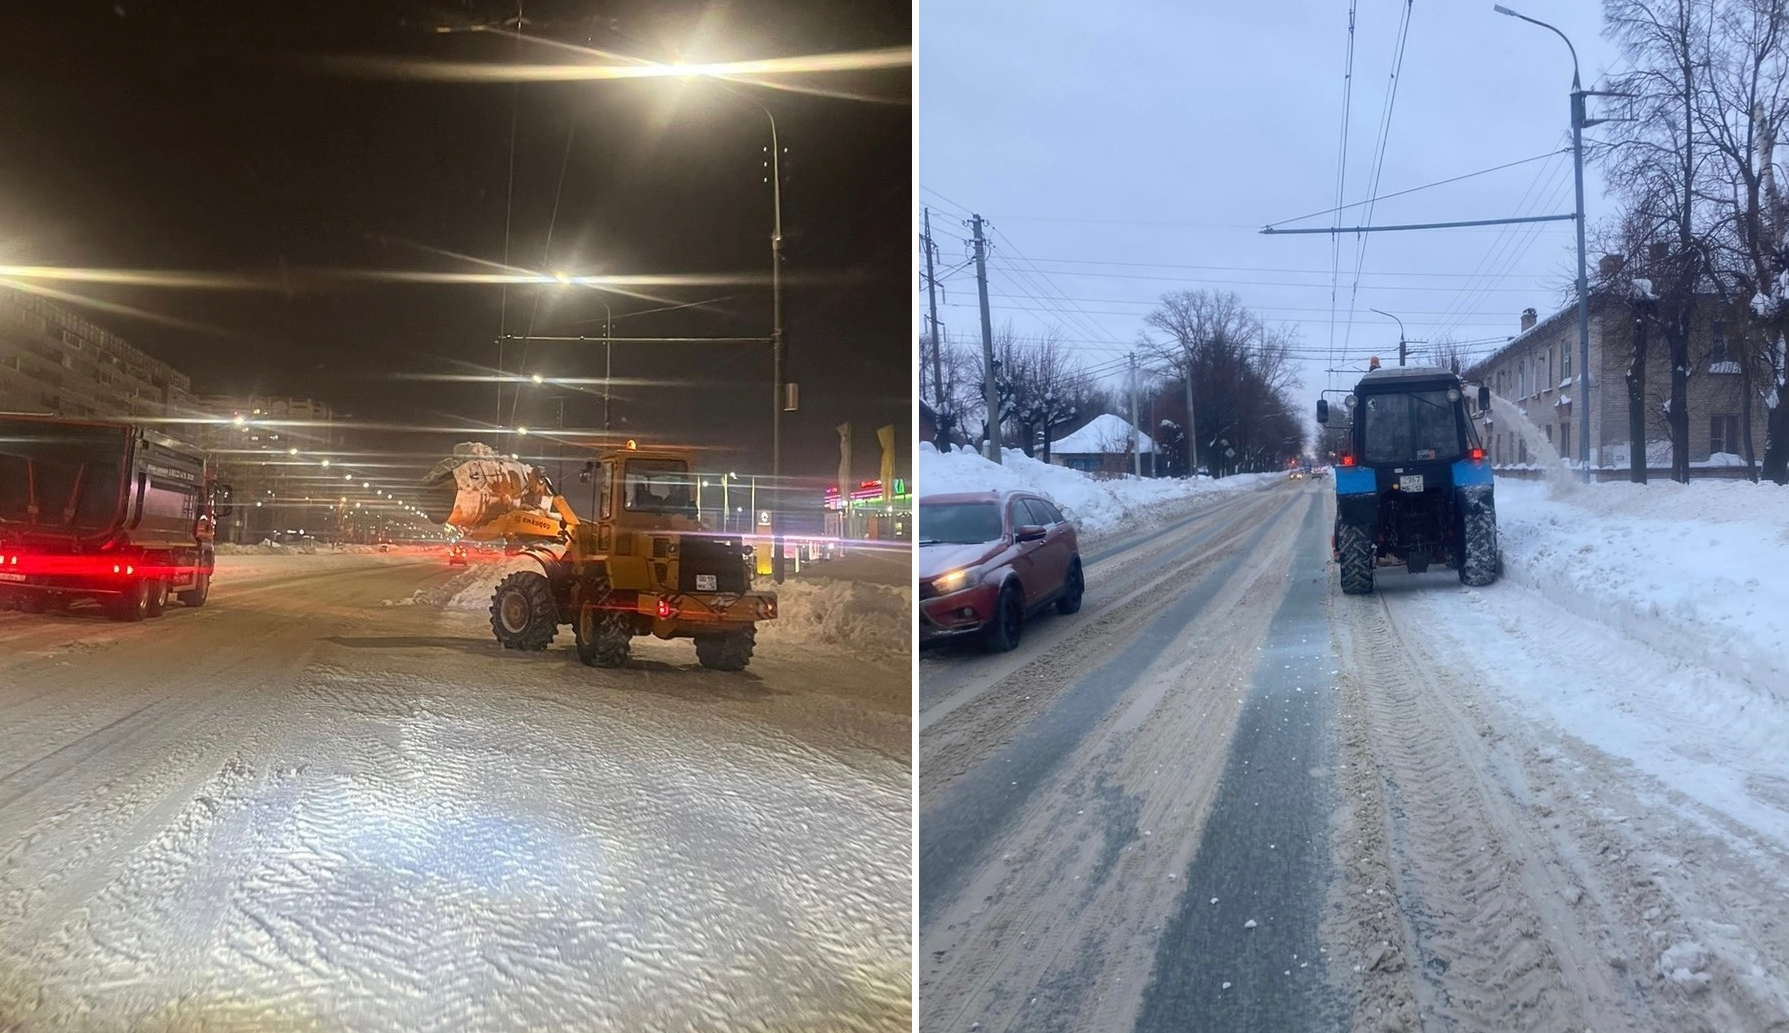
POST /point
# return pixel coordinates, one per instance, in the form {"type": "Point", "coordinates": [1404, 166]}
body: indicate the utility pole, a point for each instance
{"type": "Point", "coordinates": [1192, 438]}
{"type": "Point", "coordinates": [932, 297]}
{"type": "Point", "coordinates": [990, 389]}
{"type": "Point", "coordinates": [1136, 452]}
{"type": "Point", "coordinates": [1579, 124]}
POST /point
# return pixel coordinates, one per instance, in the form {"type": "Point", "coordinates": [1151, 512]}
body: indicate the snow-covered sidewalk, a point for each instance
{"type": "Point", "coordinates": [1687, 569]}
{"type": "Point", "coordinates": [1096, 506]}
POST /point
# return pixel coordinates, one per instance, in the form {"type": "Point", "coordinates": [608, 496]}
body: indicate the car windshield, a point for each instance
{"type": "Point", "coordinates": [658, 486]}
{"type": "Point", "coordinates": [958, 523]}
{"type": "Point", "coordinates": [1410, 426]}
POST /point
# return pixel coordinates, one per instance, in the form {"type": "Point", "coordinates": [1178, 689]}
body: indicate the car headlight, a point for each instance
{"type": "Point", "coordinates": [956, 580]}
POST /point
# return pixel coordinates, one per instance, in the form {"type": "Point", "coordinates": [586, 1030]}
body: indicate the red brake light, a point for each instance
{"type": "Point", "coordinates": [664, 610]}
{"type": "Point", "coordinates": [1477, 454]}
{"type": "Point", "coordinates": [1347, 460]}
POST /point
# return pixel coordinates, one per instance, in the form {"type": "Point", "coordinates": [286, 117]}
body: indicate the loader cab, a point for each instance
{"type": "Point", "coordinates": [636, 489]}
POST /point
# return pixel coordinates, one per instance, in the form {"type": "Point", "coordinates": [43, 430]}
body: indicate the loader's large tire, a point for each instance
{"type": "Point", "coordinates": [1355, 548]}
{"type": "Point", "coordinates": [522, 612]}
{"type": "Point", "coordinates": [728, 652]}
{"type": "Point", "coordinates": [1483, 561]}
{"type": "Point", "coordinates": [604, 637]}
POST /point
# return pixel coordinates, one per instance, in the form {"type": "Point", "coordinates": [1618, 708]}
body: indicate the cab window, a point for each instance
{"type": "Point", "coordinates": [657, 486]}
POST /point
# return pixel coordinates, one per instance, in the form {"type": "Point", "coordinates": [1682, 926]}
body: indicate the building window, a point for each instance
{"type": "Point", "coordinates": [1565, 364]}
{"type": "Point", "coordinates": [1723, 434]}
{"type": "Point", "coordinates": [1549, 433]}
{"type": "Point", "coordinates": [1548, 381]}
{"type": "Point", "coordinates": [1565, 440]}
{"type": "Point", "coordinates": [1717, 343]}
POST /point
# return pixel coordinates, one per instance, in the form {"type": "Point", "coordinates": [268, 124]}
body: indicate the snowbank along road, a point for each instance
{"type": "Point", "coordinates": [302, 807]}
{"type": "Point", "coordinates": [1226, 797]}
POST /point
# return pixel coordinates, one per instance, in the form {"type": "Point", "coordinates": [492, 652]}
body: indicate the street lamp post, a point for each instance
{"type": "Point", "coordinates": [776, 346]}
{"type": "Point", "coordinates": [1578, 125]}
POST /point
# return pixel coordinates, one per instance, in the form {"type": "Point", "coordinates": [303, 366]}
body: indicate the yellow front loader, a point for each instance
{"type": "Point", "coordinates": [643, 566]}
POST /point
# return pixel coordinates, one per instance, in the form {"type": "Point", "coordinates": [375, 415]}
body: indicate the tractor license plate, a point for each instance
{"type": "Point", "coordinates": [1410, 482]}
{"type": "Point", "coordinates": [708, 583]}
{"type": "Point", "coordinates": [12, 577]}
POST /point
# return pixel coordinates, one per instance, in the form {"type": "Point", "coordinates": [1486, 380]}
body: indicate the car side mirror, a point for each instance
{"type": "Point", "coordinates": [1031, 533]}
{"type": "Point", "coordinates": [1322, 410]}
{"type": "Point", "coordinates": [1484, 398]}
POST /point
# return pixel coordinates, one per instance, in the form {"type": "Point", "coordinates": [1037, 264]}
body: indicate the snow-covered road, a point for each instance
{"type": "Point", "coordinates": [1227, 796]}
{"type": "Point", "coordinates": [302, 807]}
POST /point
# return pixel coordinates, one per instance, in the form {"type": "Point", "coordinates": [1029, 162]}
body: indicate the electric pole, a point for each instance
{"type": "Point", "coordinates": [932, 296]}
{"type": "Point", "coordinates": [990, 388]}
{"type": "Point", "coordinates": [1192, 438]}
{"type": "Point", "coordinates": [1136, 451]}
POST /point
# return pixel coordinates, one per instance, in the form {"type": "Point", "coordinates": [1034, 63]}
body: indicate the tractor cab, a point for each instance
{"type": "Point", "coordinates": [1413, 486]}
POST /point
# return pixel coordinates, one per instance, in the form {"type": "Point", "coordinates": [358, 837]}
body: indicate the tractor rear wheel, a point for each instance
{"type": "Point", "coordinates": [158, 598]}
{"type": "Point", "coordinates": [604, 637]}
{"type": "Point", "coordinates": [1482, 558]}
{"type": "Point", "coordinates": [1355, 549]}
{"type": "Point", "coordinates": [727, 652]}
{"type": "Point", "coordinates": [523, 615]}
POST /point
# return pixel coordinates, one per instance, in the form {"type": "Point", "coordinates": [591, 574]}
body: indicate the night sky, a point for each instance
{"type": "Point", "coordinates": [204, 136]}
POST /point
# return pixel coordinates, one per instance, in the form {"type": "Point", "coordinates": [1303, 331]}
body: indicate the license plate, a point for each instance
{"type": "Point", "coordinates": [1410, 482]}
{"type": "Point", "coordinates": [707, 583]}
{"type": "Point", "coordinates": [12, 577]}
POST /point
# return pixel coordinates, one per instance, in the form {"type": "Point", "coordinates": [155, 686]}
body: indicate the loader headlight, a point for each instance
{"type": "Point", "coordinates": [956, 580]}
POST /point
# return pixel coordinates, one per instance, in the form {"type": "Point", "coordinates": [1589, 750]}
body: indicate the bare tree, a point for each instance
{"type": "Point", "coordinates": [1233, 371]}
{"type": "Point", "coordinates": [1656, 163]}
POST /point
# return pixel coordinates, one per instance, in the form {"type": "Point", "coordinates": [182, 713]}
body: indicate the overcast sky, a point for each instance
{"type": "Point", "coordinates": [1137, 148]}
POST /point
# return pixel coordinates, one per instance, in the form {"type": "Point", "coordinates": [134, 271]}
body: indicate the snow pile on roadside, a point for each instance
{"type": "Point", "coordinates": [266, 547]}
{"type": "Point", "coordinates": [871, 621]}
{"type": "Point", "coordinates": [1092, 505]}
{"type": "Point", "coordinates": [1687, 568]}
{"type": "Point", "coordinates": [469, 588]}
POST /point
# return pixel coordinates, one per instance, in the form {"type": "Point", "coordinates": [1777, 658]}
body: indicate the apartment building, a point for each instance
{"type": "Point", "coordinates": [53, 360]}
{"type": "Point", "coordinates": [1537, 372]}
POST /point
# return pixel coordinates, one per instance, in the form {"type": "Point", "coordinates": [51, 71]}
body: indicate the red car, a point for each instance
{"type": "Point", "coordinates": [456, 557]}
{"type": "Point", "coordinates": [987, 560]}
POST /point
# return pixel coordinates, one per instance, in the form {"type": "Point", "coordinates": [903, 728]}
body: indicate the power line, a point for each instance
{"type": "Point", "coordinates": [1335, 242]}
{"type": "Point", "coordinates": [1391, 97]}
{"type": "Point", "coordinates": [1415, 189]}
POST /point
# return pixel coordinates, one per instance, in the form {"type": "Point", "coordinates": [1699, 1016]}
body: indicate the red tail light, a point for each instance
{"type": "Point", "coordinates": [664, 610]}
{"type": "Point", "coordinates": [1347, 460]}
{"type": "Point", "coordinates": [1477, 454]}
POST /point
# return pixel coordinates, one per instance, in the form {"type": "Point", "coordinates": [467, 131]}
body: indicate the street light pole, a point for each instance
{"type": "Point", "coordinates": [776, 348]}
{"type": "Point", "coordinates": [1401, 340]}
{"type": "Point", "coordinates": [1578, 124]}
{"type": "Point", "coordinates": [608, 353]}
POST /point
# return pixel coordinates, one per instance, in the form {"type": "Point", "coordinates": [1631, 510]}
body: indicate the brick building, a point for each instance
{"type": "Point", "coordinates": [1536, 372]}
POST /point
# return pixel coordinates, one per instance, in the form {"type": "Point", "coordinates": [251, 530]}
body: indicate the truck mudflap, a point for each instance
{"type": "Point", "coordinates": [675, 615]}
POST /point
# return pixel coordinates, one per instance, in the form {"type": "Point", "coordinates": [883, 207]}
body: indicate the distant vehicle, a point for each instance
{"type": "Point", "coordinates": [988, 560]}
{"type": "Point", "coordinates": [104, 510]}
{"type": "Point", "coordinates": [1319, 472]}
{"type": "Point", "coordinates": [1414, 487]}
{"type": "Point", "coordinates": [1297, 475]}
{"type": "Point", "coordinates": [456, 556]}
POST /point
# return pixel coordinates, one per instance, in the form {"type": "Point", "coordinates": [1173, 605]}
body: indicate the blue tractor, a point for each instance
{"type": "Point", "coordinates": [1413, 485]}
